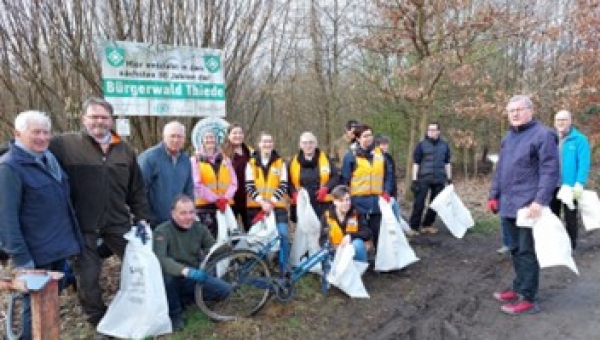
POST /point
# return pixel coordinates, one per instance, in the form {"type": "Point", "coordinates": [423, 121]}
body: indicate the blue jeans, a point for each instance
{"type": "Point", "coordinates": [360, 250]}
{"type": "Point", "coordinates": [506, 240]}
{"type": "Point", "coordinates": [284, 247]}
{"type": "Point", "coordinates": [57, 266]}
{"type": "Point", "coordinates": [180, 292]}
{"type": "Point", "coordinates": [525, 263]}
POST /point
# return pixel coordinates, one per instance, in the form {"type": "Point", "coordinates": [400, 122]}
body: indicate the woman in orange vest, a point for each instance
{"type": "Point", "coordinates": [343, 219]}
{"type": "Point", "coordinates": [239, 153]}
{"type": "Point", "coordinates": [369, 175]}
{"type": "Point", "coordinates": [267, 186]}
{"type": "Point", "coordinates": [215, 181]}
{"type": "Point", "coordinates": [312, 170]}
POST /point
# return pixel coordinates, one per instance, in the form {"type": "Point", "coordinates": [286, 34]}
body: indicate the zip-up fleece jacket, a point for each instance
{"type": "Point", "coordinates": [527, 169]}
{"type": "Point", "coordinates": [106, 189]}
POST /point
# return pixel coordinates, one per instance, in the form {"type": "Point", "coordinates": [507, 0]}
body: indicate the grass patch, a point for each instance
{"type": "Point", "coordinates": [197, 326]}
{"type": "Point", "coordinates": [486, 224]}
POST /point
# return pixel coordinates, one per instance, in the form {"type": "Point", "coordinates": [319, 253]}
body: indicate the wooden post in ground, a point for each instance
{"type": "Point", "coordinates": [42, 287]}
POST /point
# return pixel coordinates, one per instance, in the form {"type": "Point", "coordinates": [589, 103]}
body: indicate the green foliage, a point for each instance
{"type": "Point", "coordinates": [486, 224]}
{"type": "Point", "coordinates": [197, 326]}
{"type": "Point", "coordinates": [394, 123]}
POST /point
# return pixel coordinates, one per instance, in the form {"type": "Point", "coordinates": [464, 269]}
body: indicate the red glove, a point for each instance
{"type": "Point", "coordinates": [294, 198]}
{"type": "Point", "coordinates": [222, 204]}
{"type": "Point", "coordinates": [259, 217]}
{"type": "Point", "coordinates": [492, 205]}
{"type": "Point", "coordinates": [321, 194]}
{"type": "Point", "coordinates": [386, 197]}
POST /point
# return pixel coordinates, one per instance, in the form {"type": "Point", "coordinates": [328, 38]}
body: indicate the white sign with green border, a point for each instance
{"type": "Point", "coordinates": [141, 79]}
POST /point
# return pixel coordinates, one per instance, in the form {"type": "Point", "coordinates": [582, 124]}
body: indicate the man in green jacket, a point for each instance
{"type": "Point", "coordinates": [180, 245]}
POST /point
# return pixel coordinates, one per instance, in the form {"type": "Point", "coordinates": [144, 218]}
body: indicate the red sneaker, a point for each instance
{"type": "Point", "coordinates": [520, 307]}
{"type": "Point", "coordinates": [507, 296]}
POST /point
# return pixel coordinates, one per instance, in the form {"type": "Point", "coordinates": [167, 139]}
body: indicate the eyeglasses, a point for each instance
{"type": "Point", "coordinates": [307, 142]}
{"type": "Point", "coordinates": [432, 130]}
{"type": "Point", "coordinates": [518, 110]}
{"type": "Point", "coordinates": [96, 117]}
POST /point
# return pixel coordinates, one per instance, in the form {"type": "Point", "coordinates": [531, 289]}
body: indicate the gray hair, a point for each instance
{"type": "Point", "coordinates": [171, 125]}
{"type": "Point", "coordinates": [307, 135]}
{"type": "Point", "coordinates": [99, 102]}
{"type": "Point", "coordinates": [24, 118]}
{"type": "Point", "coordinates": [522, 98]}
{"type": "Point", "coordinates": [565, 113]}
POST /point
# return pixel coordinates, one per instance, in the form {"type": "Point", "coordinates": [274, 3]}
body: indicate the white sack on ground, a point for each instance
{"type": "Point", "coordinates": [589, 206]}
{"type": "Point", "coordinates": [452, 211]}
{"type": "Point", "coordinates": [393, 250]}
{"type": "Point", "coordinates": [140, 308]}
{"type": "Point", "coordinates": [552, 243]}
{"type": "Point", "coordinates": [346, 273]}
{"type": "Point", "coordinates": [308, 230]}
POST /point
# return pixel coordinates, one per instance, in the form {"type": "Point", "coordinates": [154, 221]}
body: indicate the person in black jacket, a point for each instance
{"type": "Point", "coordinates": [431, 172]}
{"type": "Point", "coordinates": [312, 170]}
{"type": "Point", "coordinates": [343, 219]}
{"type": "Point", "coordinates": [108, 194]}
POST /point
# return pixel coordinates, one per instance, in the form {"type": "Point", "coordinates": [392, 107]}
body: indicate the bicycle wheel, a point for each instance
{"type": "Point", "coordinates": [13, 323]}
{"type": "Point", "coordinates": [250, 280]}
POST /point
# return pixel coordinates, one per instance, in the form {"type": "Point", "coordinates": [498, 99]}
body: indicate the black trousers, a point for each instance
{"type": "Point", "coordinates": [419, 204]}
{"type": "Point", "coordinates": [570, 217]}
{"type": "Point", "coordinates": [88, 266]}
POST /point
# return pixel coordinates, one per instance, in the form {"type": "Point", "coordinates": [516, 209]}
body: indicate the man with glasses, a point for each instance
{"type": "Point", "coordinates": [574, 152]}
{"type": "Point", "coordinates": [431, 172]}
{"type": "Point", "coordinates": [526, 175]}
{"type": "Point", "coordinates": [107, 190]}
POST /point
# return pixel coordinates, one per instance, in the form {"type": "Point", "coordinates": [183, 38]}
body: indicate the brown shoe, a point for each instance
{"type": "Point", "coordinates": [429, 230]}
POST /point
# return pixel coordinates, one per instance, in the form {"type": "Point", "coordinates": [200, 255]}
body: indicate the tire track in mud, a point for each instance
{"type": "Point", "coordinates": [452, 299]}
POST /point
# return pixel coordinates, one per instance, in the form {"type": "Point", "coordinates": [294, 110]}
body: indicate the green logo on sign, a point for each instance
{"type": "Point", "coordinates": [115, 56]}
{"type": "Point", "coordinates": [212, 63]}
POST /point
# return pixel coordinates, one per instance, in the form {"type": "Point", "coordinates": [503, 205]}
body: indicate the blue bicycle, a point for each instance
{"type": "Point", "coordinates": [250, 276]}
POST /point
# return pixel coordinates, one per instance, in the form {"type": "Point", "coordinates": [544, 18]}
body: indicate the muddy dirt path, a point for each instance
{"type": "Point", "coordinates": [448, 295]}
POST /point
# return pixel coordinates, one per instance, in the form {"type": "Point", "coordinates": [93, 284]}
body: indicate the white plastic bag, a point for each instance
{"type": "Point", "coordinates": [346, 273]}
{"type": "Point", "coordinates": [393, 250]}
{"type": "Point", "coordinates": [308, 230]}
{"type": "Point", "coordinates": [552, 243]}
{"type": "Point", "coordinates": [589, 206]}
{"type": "Point", "coordinates": [452, 211]}
{"type": "Point", "coordinates": [140, 307]}
{"type": "Point", "coordinates": [226, 225]}
{"type": "Point", "coordinates": [263, 232]}
{"type": "Point", "coordinates": [565, 194]}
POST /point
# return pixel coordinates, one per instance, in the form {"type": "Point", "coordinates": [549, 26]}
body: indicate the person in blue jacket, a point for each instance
{"type": "Point", "coordinates": [526, 175]}
{"type": "Point", "coordinates": [369, 175]}
{"type": "Point", "coordinates": [167, 171]}
{"type": "Point", "coordinates": [38, 228]}
{"type": "Point", "coordinates": [574, 151]}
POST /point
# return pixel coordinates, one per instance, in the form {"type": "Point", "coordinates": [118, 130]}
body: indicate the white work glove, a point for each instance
{"type": "Point", "coordinates": [577, 191]}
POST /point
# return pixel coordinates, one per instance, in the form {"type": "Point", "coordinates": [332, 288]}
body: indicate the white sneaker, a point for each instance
{"type": "Point", "coordinates": [503, 250]}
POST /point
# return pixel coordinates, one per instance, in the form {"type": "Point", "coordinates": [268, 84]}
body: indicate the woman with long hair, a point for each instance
{"type": "Point", "coordinates": [238, 152]}
{"type": "Point", "coordinates": [267, 186]}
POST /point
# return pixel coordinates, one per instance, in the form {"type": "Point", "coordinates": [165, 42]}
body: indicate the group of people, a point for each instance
{"type": "Point", "coordinates": [75, 195]}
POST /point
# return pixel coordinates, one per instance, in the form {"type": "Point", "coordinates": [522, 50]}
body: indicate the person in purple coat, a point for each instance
{"type": "Point", "coordinates": [526, 175]}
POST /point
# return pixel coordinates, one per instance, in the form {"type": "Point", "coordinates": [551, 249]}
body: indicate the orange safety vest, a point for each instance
{"type": "Point", "coordinates": [217, 183]}
{"type": "Point", "coordinates": [367, 178]}
{"type": "Point", "coordinates": [336, 234]}
{"type": "Point", "coordinates": [324, 173]}
{"type": "Point", "coordinates": [266, 186]}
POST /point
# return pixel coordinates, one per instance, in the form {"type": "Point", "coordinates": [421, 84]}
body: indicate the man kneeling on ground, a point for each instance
{"type": "Point", "coordinates": [180, 245]}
